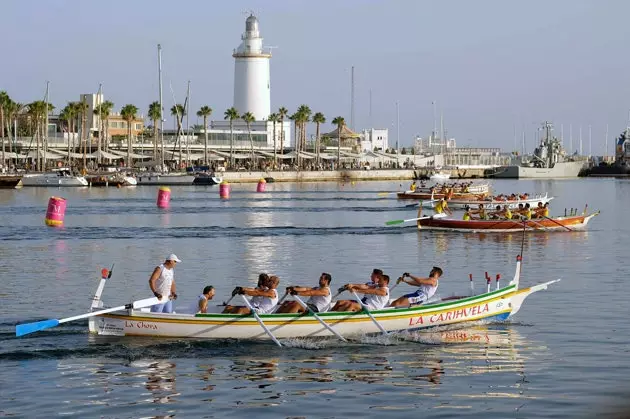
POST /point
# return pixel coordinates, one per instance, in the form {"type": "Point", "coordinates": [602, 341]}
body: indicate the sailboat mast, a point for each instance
{"type": "Point", "coordinates": [606, 143]}
{"type": "Point", "coordinates": [161, 106]}
{"type": "Point", "coordinates": [187, 124]}
{"type": "Point", "coordinates": [45, 137]}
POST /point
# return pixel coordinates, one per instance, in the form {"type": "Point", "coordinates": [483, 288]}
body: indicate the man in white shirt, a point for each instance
{"type": "Point", "coordinates": [265, 306]}
{"type": "Point", "coordinates": [201, 305]}
{"type": "Point", "coordinates": [319, 301]}
{"type": "Point", "coordinates": [426, 288]}
{"type": "Point", "coordinates": [162, 284]}
{"type": "Point", "coordinates": [375, 298]}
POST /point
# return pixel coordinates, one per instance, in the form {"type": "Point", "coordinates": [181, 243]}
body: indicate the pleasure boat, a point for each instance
{"type": "Point", "coordinates": [57, 177]}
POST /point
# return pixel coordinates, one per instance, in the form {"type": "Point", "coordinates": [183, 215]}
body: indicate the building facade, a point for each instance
{"type": "Point", "coordinates": [374, 139]}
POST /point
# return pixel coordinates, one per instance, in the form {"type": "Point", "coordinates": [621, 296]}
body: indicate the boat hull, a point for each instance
{"type": "Point", "coordinates": [53, 180]}
{"type": "Point", "coordinates": [560, 170]}
{"type": "Point", "coordinates": [165, 179]}
{"type": "Point", "coordinates": [429, 196]}
{"type": "Point", "coordinates": [492, 306]}
{"type": "Point", "coordinates": [10, 182]}
{"type": "Point", "coordinates": [573, 223]}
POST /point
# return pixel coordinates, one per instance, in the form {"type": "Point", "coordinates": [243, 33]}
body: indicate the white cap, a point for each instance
{"type": "Point", "coordinates": [173, 257]}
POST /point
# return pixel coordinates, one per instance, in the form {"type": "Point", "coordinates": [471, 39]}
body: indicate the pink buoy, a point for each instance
{"type": "Point", "coordinates": [56, 211]}
{"type": "Point", "coordinates": [224, 190]}
{"type": "Point", "coordinates": [164, 197]}
{"type": "Point", "coordinates": [262, 184]}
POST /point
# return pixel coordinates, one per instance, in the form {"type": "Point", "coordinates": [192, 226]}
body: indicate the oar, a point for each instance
{"type": "Point", "coordinates": [385, 193]}
{"type": "Point", "coordinates": [259, 320]}
{"type": "Point", "coordinates": [368, 313]}
{"type": "Point", "coordinates": [561, 225]}
{"type": "Point", "coordinates": [26, 328]}
{"type": "Point", "coordinates": [396, 222]}
{"type": "Point", "coordinates": [319, 319]}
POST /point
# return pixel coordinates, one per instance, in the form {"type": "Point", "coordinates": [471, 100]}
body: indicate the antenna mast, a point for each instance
{"type": "Point", "coordinates": [161, 106]}
{"type": "Point", "coordinates": [352, 98]}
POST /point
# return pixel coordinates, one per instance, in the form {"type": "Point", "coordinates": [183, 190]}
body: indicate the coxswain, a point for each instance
{"type": "Point", "coordinates": [265, 306]}
{"type": "Point", "coordinates": [426, 288]}
{"type": "Point", "coordinates": [319, 301]}
{"type": "Point", "coordinates": [162, 284]}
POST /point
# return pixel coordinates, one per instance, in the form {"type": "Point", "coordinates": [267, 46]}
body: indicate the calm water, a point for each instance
{"type": "Point", "coordinates": [564, 355]}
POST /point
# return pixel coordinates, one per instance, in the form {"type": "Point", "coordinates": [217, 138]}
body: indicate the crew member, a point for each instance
{"type": "Point", "coordinates": [162, 284]}
{"type": "Point", "coordinates": [426, 288]}
{"type": "Point", "coordinates": [201, 305]}
{"type": "Point", "coordinates": [265, 306]}
{"type": "Point", "coordinates": [375, 298]}
{"type": "Point", "coordinates": [319, 301]}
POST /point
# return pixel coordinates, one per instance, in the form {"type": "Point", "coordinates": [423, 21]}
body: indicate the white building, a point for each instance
{"type": "Point", "coordinates": [93, 100]}
{"type": "Point", "coordinates": [252, 82]}
{"type": "Point", "coordinates": [374, 139]}
{"type": "Point", "coordinates": [434, 145]}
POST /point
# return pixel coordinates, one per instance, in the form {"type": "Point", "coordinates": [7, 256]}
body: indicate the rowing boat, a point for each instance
{"type": "Point", "coordinates": [490, 203]}
{"type": "Point", "coordinates": [570, 223]}
{"type": "Point", "coordinates": [495, 305]}
{"type": "Point", "coordinates": [435, 195]}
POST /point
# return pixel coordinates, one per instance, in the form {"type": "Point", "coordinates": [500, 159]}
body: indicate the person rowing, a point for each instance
{"type": "Point", "coordinates": [442, 207]}
{"type": "Point", "coordinates": [481, 213]}
{"type": "Point", "coordinates": [466, 216]}
{"type": "Point", "coordinates": [201, 305]}
{"type": "Point", "coordinates": [375, 298]}
{"type": "Point", "coordinates": [426, 288]}
{"type": "Point", "coordinates": [412, 188]}
{"type": "Point", "coordinates": [319, 301]}
{"type": "Point", "coordinates": [264, 305]}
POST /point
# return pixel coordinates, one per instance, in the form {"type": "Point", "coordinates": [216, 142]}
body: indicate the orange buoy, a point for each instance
{"type": "Point", "coordinates": [164, 197]}
{"type": "Point", "coordinates": [262, 184]}
{"type": "Point", "coordinates": [56, 211]}
{"type": "Point", "coordinates": [224, 190]}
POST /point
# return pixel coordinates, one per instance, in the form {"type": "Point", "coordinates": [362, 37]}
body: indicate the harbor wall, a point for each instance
{"type": "Point", "coordinates": [344, 175]}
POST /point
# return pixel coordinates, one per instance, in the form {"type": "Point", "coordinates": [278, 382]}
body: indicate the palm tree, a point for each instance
{"type": "Point", "coordinates": [102, 111]}
{"type": "Point", "coordinates": [106, 110]}
{"type": "Point", "coordinates": [282, 113]}
{"type": "Point", "coordinates": [68, 114]}
{"type": "Point", "coordinates": [178, 111]}
{"type": "Point", "coordinates": [11, 111]}
{"type": "Point", "coordinates": [155, 115]}
{"type": "Point", "coordinates": [319, 119]}
{"type": "Point", "coordinates": [231, 114]}
{"type": "Point", "coordinates": [4, 101]}
{"type": "Point", "coordinates": [296, 127]}
{"type": "Point", "coordinates": [205, 111]}
{"type": "Point", "coordinates": [340, 122]}
{"type": "Point", "coordinates": [274, 117]}
{"type": "Point", "coordinates": [305, 116]}
{"type": "Point", "coordinates": [82, 109]}
{"type": "Point", "coordinates": [37, 112]}
{"type": "Point", "coordinates": [249, 117]}
{"type": "Point", "coordinates": [128, 112]}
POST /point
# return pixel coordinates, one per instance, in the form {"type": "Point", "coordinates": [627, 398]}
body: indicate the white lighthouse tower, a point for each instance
{"type": "Point", "coordinates": [252, 89]}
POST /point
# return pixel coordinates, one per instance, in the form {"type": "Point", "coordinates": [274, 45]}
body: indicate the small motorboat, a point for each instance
{"type": "Point", "coordinates": [205, 178]}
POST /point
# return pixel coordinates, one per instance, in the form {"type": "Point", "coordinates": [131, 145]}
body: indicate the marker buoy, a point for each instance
{"type": "Point", "coordinates": [164, 197]}
{"type": "Point", "coordinates": [224, 190]}
{"type": "Point", "coordinates": [262, 184]}
{"type": "Point", "coordinates": [56, 211]}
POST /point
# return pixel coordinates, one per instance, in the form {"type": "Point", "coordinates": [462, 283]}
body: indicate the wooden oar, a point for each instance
{"type": "Point", "coordinates": [319, 319]}
{"type": "Point", "coordinates": [385, 193]}
{"type": "Point", "coordinates": [395, 222]}
{"type": "Point", "coordinates": [260, 322]}
{"type": "Point", "coordinates": [368, 313]}
{"type": "Point", "coordinates": [561, 225]}
{"type": "Point", "coordinates": [26, 328]}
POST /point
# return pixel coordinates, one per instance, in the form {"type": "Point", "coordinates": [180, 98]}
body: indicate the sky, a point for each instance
{"type": "Point", "coordinates": [493, 67]}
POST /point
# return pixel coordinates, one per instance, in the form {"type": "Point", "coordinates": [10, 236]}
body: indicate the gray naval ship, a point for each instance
{"type": "Point", "coordinates": [548, 161]}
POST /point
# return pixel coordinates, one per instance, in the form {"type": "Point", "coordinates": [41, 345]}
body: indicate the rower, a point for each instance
{"type": "Point", "coordinates": [497, 213]}
{"type": "Point", "coordinates": [539, 210]}
{"type": "Point", "coordinates": [201, 305]}
{"type": "Point", "coordinates": [466, 216]}
{"type": "Point", "coordinates": [266, 305]}
{"type": "Point", "coordinates": [319, 301]}
{"type": "Point", "coordinates": [412, 188]}
{"type": "Point", "coordinates": [507, 213]}
{"type": "Point", "coordinates": [372, 283]}
{"type": "Point", "coordinates": [426, 288]}
{"type": "Point", "coordinates": [375, 298]}
{"type": "Point", "coordinates": [545, 212]}
{"type": "Point", "coordinates": [442, 207]}
{"type": "Point", "coordinates": [527, 213]}
{"type": "Point", "coordinates": [482, 212]}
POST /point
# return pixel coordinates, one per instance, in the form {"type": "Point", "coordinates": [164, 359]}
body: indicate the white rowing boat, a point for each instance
{"type": "Point", "coordinates": [497, 305]}
{"type": "Point", "coordinates": [490, 203]}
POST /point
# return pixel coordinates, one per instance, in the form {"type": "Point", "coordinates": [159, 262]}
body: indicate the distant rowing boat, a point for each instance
{"type": "Point", "coordinates": [490, 203]}
{"type": "Point", "coordinates": [571, 223]}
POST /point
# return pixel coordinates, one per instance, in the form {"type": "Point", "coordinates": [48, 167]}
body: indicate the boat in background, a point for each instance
{"type": "Point", "coordinates": [205, 178]}
{"type": "Point", "coordinates": [10, 181]}
{"type": "Point", "coordinates": [57, 177]}
{"type": "Point", "coordinates": [567, 223]}
{"type": "Point", "coordinates": [439, 176]}
{"type": "Point", "coordinates": [491, 202]}
{"type": "Point", "coordinates": [548, 161]}
{"type": "Point", "coordinates": [157, 178]}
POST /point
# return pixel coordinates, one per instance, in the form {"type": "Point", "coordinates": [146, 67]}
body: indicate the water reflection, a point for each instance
{"type": "Point", "coordinates": [161, 381]}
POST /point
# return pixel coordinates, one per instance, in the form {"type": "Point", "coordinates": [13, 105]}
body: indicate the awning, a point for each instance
{"type": "Point", "coordinates": [64, 155]}
{"type": "Point", "coordinates": [12, 155]}
{"type": "Point", "coordinates": [49, 155]}
{"type": "Point", "coordinates": [106, 155]}
{"type": "Point", "coordinates": [123, 154]}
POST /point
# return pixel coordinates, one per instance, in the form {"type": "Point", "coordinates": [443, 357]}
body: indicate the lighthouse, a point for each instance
{"type": "Point", "coordinates": [252, 88]}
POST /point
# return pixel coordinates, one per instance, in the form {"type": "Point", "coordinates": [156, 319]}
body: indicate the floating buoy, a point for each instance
{"type": "Point", "coordinates": [224, 190]}
{"type": "Point", "coordinates": [56, 211]}
{"type": "Point", "coordinates": [164, 197]}
{"type": "Point", "coordinates": [262, 184]}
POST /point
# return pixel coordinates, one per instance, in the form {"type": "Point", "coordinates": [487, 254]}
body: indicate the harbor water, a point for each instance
{"type": "Point", "coordinates": [565, 354]}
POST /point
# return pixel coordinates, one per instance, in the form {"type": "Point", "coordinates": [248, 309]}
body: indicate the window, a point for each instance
{"type": "Point", "coordinates": [138, 126]}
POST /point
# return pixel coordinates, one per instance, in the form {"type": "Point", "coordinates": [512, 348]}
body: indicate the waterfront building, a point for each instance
{"type": "Point", "coordinates": [374, 139]}
{"type": "Point", "coordinates": [433, 144]}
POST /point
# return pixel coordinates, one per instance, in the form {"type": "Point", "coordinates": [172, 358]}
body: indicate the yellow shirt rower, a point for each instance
{"type": "Point", "coordinates": [442, 207]}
